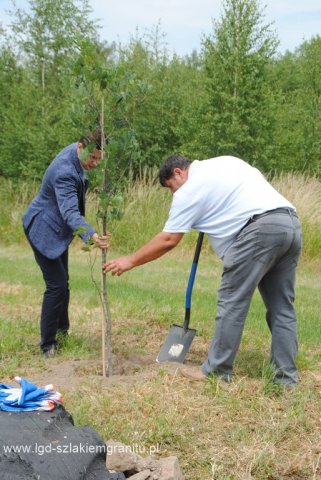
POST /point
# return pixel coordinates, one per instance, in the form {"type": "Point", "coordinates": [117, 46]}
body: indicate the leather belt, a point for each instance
{"type": "Point", "coordinates": [287, 211]}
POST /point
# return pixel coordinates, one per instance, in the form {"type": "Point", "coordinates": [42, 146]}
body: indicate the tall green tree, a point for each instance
{"type": "Point", "coordinates": [188, 82]}
{"type": "Point", "coordinates": [239, 117]}
{"type": "Point", "coordinates": [297, 80]}
{"type": "Point", "coordinates": [310, 76]}
{"type": "Point", "coordinates": [16, 94]}
{"type": "Point", "coordinates": [41, 118]}
{"type": "Point", "coordinates": [236, 97]}
{"type": "Point", "coordinates": [150, 110]}
{"type": "Point", "coordinates": [164, 109]}
{"type": "Point", "coordinates": [48, 37]}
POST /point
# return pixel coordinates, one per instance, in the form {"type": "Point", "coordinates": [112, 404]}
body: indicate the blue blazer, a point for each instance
{"type": "Point", "coordinates": [59, 208]}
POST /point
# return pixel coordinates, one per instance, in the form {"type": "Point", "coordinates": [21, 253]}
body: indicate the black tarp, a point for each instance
{"type": "Point", "coordinates": [47, 446]}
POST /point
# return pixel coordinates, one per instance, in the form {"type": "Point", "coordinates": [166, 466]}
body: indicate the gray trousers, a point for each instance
{"type": "Point", "coordinates": [264, 255]}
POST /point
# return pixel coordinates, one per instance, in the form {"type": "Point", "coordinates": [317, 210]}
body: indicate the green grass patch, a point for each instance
{"type": "Point", "coordinates": [247, 429]}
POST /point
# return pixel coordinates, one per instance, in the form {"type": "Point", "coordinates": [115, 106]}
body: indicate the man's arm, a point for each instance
{"type": "Point", "coordinates": [155, 248]}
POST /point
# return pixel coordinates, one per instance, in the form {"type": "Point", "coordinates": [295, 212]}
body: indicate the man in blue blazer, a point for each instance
{"type": "Point", "coordinates": [50, 222]}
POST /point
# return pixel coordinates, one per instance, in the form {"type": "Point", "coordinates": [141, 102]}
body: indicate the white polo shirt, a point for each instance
{"type": "Point", "coordinates": [220, 195]}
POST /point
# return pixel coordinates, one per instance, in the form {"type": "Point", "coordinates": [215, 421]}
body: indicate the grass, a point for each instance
{"type": "Point", "coordinates": [146, 207]}
{"type": "Point", "coordinates": [305, 193]}
{"type": "Point", "coordinates": [248, 429]}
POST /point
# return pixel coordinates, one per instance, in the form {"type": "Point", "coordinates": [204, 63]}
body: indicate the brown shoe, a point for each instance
{"type": "Point", "coordinates": [194, 374]}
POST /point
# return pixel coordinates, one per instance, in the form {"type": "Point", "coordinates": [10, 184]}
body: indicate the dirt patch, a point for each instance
{"type": "Point", "coordinates": [129, 369]}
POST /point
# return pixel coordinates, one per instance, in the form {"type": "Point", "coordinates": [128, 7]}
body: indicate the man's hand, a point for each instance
{"type": "Point", "coordinates": [117, 266]}
{"type": "Point", "coordinates": [101, 242]}
{"type": "Point", "coordinates": [155, 248]}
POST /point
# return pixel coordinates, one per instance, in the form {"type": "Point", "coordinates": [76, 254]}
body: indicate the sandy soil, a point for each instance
{"type": "Point", "coordinates": [69, 374]}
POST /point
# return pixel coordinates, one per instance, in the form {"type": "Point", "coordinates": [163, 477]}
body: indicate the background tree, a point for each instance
{"type": "Point", "coordinates": [165, 109]}
{"type": "Point", "coordinates": [46, 41]}
{"type": "Point", "coordinates": [150, 110]}
{"type": "Point", "coordinates": [239, 118]}
{"type": "Point", "coordinates": [236, 97]}
{"type": "Point", "coordinates": [297, 76]}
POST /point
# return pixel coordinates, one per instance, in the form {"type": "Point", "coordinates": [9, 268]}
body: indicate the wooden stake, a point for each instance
{"type": "Point", "coordinates": [106, 316]}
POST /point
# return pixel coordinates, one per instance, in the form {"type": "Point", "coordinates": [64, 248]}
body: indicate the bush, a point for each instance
{"type": "Point", "coordinates": [14, 198]}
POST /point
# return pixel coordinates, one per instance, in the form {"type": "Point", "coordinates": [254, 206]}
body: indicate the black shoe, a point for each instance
{"type": "Point", "coordinates": [50, 352]}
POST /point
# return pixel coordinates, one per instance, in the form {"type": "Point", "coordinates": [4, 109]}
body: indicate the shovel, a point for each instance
{"type": "Point", "coordinates": [179, 339]}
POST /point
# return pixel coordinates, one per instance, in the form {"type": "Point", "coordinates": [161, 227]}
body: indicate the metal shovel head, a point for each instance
{"type": "Point", "coordinates": [176, 345]}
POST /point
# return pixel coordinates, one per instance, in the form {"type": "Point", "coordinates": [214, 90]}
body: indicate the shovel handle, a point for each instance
{"type": "Point", "coordinates": [191, 279]}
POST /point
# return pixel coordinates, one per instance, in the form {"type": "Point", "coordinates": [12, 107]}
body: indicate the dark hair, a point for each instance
{"type": "Point", "coordinates": [166, 170]}
{"type": "Point", "coordinates": [94, 138]}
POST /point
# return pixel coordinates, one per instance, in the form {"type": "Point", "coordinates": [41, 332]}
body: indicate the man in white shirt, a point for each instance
{"type": "Point", "coordinates": [257, 234]}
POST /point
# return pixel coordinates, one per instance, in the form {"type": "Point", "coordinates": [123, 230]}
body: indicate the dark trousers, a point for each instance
{"type": "Point", "coordinates": [54, 313]}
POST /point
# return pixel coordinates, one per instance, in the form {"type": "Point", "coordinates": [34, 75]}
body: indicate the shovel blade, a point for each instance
{"type": "Point", "coordinates": [176, 345]}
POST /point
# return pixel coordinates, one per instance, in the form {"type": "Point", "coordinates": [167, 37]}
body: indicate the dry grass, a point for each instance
{"type": "Point", "coordinates": [305, 194]}
{"type": "Point", "coordinates": [218, 431]}
{"type": "Point", "coordinates": [146, 207]}
{"type": "Point", "coordinates": [242, 431]}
